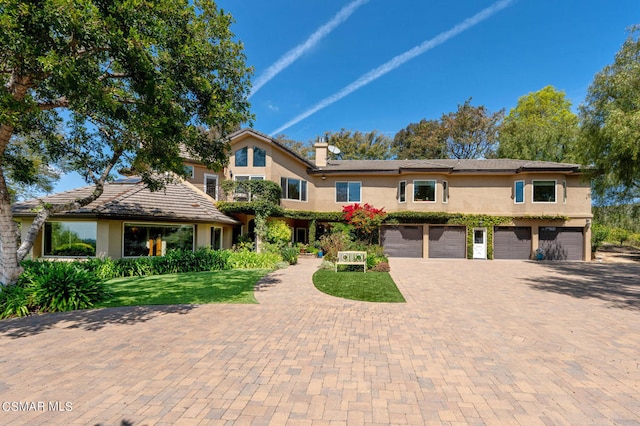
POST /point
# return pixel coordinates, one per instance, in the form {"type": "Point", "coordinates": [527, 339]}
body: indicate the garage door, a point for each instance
{"type": "Point", "coordinates": [402, 240]}
{"type": "Point", "coordinates": [512, 242]}
{"type": "Point", "coordinates": [561, 243]}
{"type": "Point", "coordinates": [448, 242]}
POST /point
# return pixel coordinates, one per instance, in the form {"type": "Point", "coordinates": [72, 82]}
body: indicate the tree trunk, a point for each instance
{"type": "Point", "coordinates": [10, 268]}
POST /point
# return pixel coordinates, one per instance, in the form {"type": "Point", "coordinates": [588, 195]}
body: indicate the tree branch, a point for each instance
{"type": "Point", "coordinates": [61, 102]}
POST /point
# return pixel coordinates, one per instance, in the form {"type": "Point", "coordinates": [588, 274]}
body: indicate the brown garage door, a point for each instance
{"type": "Point", "coordinates": [448, 242]}
{"type": "Point", "coordinates": [561, 243]}
{"type": "Point", "coordinates": [401, 240]}
{"type": "Point", "coordinates": [512, 242]}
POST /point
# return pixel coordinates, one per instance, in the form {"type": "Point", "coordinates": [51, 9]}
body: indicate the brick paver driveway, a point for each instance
{"type": "Point", "coordinates": [480, 342]}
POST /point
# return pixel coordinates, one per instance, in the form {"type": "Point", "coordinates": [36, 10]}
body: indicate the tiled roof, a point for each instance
{"type": "Point", "coordinates": [445, 166]}
{"type": "Point", "coordinates": [130, 199]}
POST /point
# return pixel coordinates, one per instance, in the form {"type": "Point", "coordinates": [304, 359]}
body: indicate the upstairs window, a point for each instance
{"type": "Point", "coordinates": [445, 191]}
{"type": "Point", "coordinates": [293, 189]}
{"type": "Point", "coordinates": [188, 170]}
{"type": "Point", "coordinates": [424, 190]}
{"type": "Point", "coordinates": [402, 191]}
{"type": "Point", "coordinates": [544, 191]}
{"type": "Point", "coordinates": [241, 157]}
{"type": "Point", "coordinates": [348, 192]}
{"type": "Point", "coordinates": [259, 157]}
{"type": "Point", "coordinates": [518, 192]}
{"type": "Point", "coordinates": [211, 186]}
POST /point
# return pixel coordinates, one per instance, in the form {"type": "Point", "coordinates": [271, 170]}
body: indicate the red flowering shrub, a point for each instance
{"type": "Point", "coordinates": [365, 218]}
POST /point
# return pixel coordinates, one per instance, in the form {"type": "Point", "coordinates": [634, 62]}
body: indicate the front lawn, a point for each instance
{"type": "Point", "coordinates": [369, 287]}
{"type": "Point", "coordinates": [234, 286]}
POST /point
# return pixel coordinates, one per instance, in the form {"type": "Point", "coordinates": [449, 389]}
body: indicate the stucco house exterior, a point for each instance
{"type": "Point", "coordinates": [502, 209]}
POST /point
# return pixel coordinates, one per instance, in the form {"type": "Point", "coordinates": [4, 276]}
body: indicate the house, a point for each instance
{"type": "Point", "coordinates": [502, 209]}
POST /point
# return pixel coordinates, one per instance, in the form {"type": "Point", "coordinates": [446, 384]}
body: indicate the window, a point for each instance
{"type": "Point", "coordinates": [424, 190]}
{"type": "Point", "coordinates": [155, 239]}
{"type": "Point", "coordinates": [242, 193]}
{"type": "Point", "coordinates": [259, 157]}
{"type": "Point", "coordinates": [544, 191]}
{"type": "Point", "coordinates": [348, 192]}
{"type": "Point", "coordinates": [211, 185]}
{"type": "Point", "coordinates": [293, 189]}
{"type": "Point", "coordinates": [402, 191]}
{"type": "Point", "coordinates": [564, 191]}
{"type": "Point", "coordinates": [301, 235]}
{"type": "Point", "coordinates": [445, 191]}
{"type": "Point", "coordinates": [70, 238]}
{"type": "Point", "coordinates": [216, 238]}
{"type": "Point", "coordinates": [241, 157]}
{"type": "Point", "coordinates": [518, 192]}
{"type": "Point", "coordinates": [188, 170]}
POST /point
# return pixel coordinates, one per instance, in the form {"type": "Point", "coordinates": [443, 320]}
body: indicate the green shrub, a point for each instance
{"type": "Point", "coordinates": [253, 260]}
{"type": "Point", "coordinates": [278, 232]}
{"type": "Point", "coordinates": [599, 234]}
{"type": "Point", "coordinates": [16, 301]}
{"type": "Point", "coordinates": [282, 265]}
{"type": "Point", "coordinates": [327, 265]}
{"type": "Point", "coordinates": [333, 243]}
{"type": "Point", "coordinates": [290, 254]}
{"type": "Point", "coordinates": [619, 235]}
{"type": "Point", "coordinates": [74, 249]}
{"type": "Point", "coordinates": [66, 286]}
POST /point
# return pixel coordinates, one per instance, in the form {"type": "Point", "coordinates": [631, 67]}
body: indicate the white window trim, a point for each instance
{"type": "Point", "coordinates": [348, 182]}
{"type": "Point", "coordinates": [204, 184]}
{"type": "Point", "coordinates": [193, 245]}
{"type": "Point", "coordinates": [53, 256]}
{"type": "Point", "coordinates": [515, 192]}
{"type": "Point", "coordinates": [405, 191]}
{"type": "Point", "coordinates": [555, 191]}
{"type": "Point", "coordinates": [435, 192]}
{"type": "Point", "coordinates": [300, 200]}
{"type": "Point", "coordinates": [445, 192]}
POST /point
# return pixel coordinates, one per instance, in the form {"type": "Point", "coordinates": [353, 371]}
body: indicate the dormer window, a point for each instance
{"type": "Point", "coordinates": [241, 157]}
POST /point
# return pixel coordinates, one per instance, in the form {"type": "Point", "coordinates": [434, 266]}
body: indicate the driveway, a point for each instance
{"type": "Point", "coordinates": [478, 342]}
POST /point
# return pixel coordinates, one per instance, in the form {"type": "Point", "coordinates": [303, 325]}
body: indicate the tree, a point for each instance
{"type": "Point", "coordinates": [610, 123]}
{"type": "Point", "coordinates": [95, 86]}
{"type": "Point", "coordinates": [425, 139]}
{"type": "Point", "coordinates": [365, 218]}
{"type": "Point", "coordinates": [305, 150]}
{"type": "Point", "coordinates": [471, 132]}
{"type": "Point", "coordinates": [541, 127]}
{"type": "Point", "coordinates": [361, 146]}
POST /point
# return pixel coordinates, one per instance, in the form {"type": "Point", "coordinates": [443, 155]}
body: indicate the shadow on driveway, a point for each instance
{"type": "Point", "coordinates": [616, 283]}
{"type": "Point", "coordinates": [91, 320]}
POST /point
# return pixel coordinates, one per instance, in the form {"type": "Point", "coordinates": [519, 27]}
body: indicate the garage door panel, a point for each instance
{"type": "Point", "coordinates": [402, 241]}
{"type": "Point", "coordinates": [562, 243]}
{"type": "Point", "coordinates": [512, 242]}
{"type": "Point", "coordinates": [447, 242]}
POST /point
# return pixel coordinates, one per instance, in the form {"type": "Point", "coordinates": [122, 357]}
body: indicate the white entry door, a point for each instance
{"type": "Point", "coordinates": [480, 243]}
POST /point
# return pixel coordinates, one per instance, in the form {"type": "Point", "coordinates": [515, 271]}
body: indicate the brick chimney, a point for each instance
{"type": "Point", "coordinates": [321, 153]}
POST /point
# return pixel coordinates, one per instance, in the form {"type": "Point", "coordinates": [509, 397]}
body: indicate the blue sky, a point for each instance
{"type": "Point", "coordinates": [492, 51]}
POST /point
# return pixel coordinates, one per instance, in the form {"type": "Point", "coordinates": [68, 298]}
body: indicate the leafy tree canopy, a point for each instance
{"type": "Point", "coordinates": [469, 132]}
{"type": "Point", "coordinates": [610, 123]}
{"type": "Point", "coordinates": [96, 85]}
{"type": "Point", "coordinates": [361, 146]}
{"type": "Point", "coordinates": [541, 127]}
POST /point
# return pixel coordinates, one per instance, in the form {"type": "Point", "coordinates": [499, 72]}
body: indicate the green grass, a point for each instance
{"type": "Point", "coordinates": [234, 286]}
{"type": "Point", "coordinates": [369, 287]}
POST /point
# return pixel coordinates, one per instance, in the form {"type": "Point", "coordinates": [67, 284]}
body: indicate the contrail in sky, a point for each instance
{"type": "Point", "coordinates": [398, 60]}
{"type": "Point", "coordinates": [289, 57]}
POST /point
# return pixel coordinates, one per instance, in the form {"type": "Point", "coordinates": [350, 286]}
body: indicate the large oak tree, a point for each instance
{"type": "Point", "coordinates": [95, 85]}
